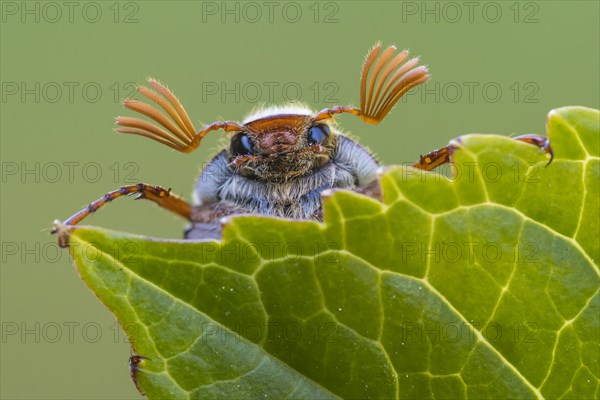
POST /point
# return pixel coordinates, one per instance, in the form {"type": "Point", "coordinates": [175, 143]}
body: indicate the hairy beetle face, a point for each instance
{"type": "Point", "coordinates": [281, 147]}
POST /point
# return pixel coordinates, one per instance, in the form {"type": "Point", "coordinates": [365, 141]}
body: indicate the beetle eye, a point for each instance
{"type": "Point", "coordinates": [318, 133]}
{"type": "Point", "coordinates": [241, 145]}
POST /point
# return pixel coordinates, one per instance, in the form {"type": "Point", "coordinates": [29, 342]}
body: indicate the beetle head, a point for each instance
{"type": "Point", "coordinates": [281, 143]}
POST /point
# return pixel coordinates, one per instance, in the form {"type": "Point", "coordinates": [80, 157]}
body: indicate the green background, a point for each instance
{"type": "Point", "coordinates": [548, 50]}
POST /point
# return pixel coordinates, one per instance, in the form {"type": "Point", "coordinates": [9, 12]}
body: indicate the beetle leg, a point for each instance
{"type": "Point", "coordinates": [134, 362]}
{"type": "Point", "coordinates": [435, 158]}
{"type": "Point", "coordinates": [442, 156]}
{"type": "Point", "coordinates": [157, 194]}
{"type": "Point", "coordinates": [540, 141]}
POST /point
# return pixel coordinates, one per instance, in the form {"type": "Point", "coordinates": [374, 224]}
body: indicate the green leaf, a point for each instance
{"type": "Point", "coordinates": [480, 285]}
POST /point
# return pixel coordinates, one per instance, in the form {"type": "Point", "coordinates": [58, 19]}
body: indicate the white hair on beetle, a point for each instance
{"type": "Point", "coordinates": [267, 111]}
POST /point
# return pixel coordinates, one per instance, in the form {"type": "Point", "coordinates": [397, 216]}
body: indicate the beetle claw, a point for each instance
{"type": "Point", "coordinates": [540, 141]}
